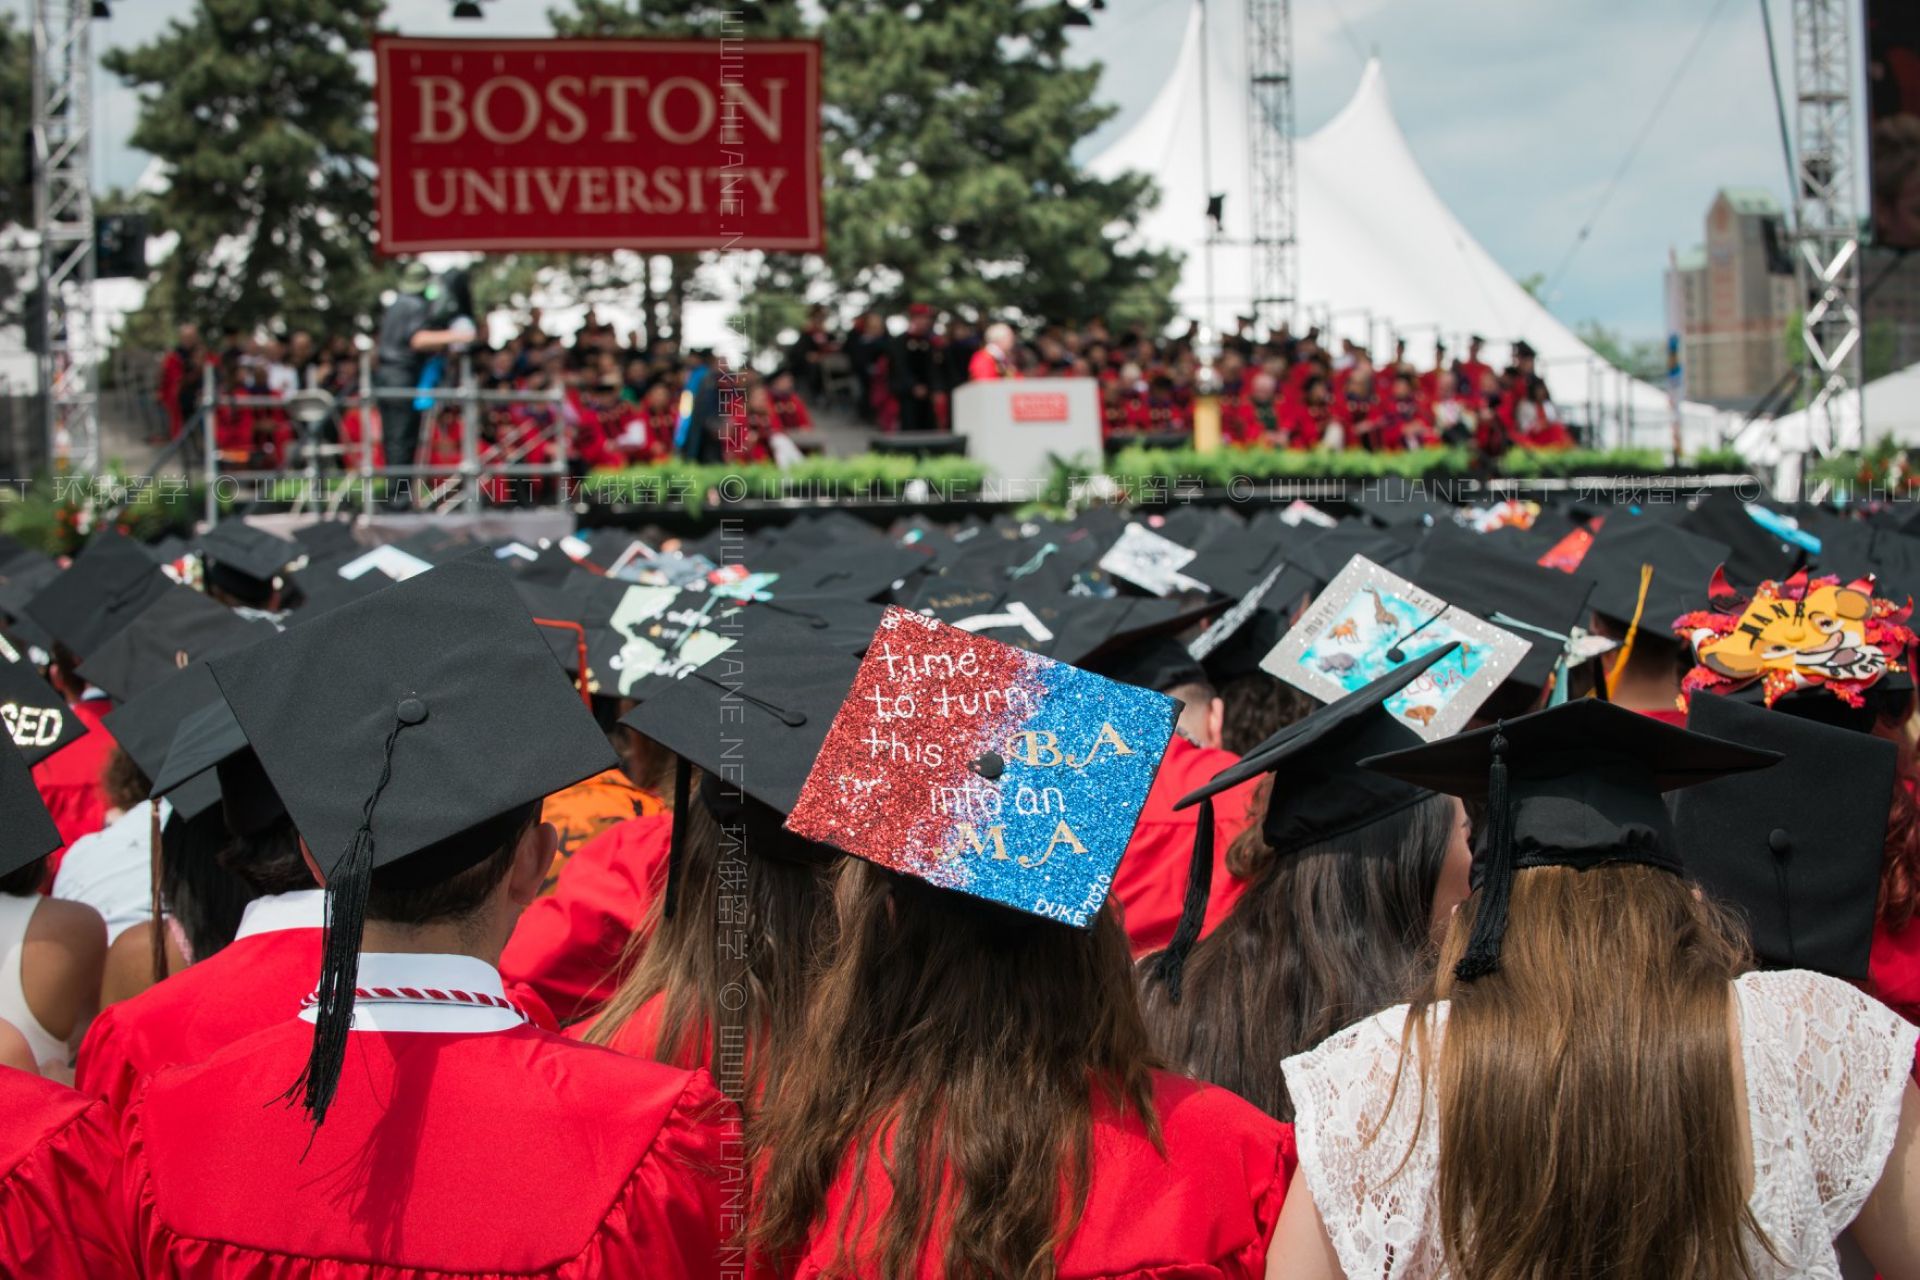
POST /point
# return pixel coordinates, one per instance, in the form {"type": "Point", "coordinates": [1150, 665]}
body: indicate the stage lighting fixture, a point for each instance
{"type": "Point", "coordinates": [468, 9]}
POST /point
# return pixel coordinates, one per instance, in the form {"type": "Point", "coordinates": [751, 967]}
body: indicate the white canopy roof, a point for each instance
{"type": "Point", "coordinates": [1379, 252]}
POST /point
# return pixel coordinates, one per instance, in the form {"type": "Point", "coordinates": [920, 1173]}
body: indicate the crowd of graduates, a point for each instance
{"type": "Point", "coordinates": [620, 401]}
{"type": "Point", "coordinates": [977, 899]}
{"type": "Point", "coordinates": [1277, 390]}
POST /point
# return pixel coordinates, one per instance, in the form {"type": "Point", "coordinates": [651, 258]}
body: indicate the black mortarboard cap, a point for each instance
{"type": "Point", "coordinates": [1326, 552]}
{"type": "Point", "coordinates": [203, 739]}
{"type": "Point", "coordinates": [753, 721]}
{"type": "Point", "coordinates": [1682, 564]}
{"type": "Point", "coordinates": [238, 548]}
{"type": "Point", "coordinates": [108, 584]}
{"type": "Point", "coordinates": [322, 590]}
{"type": "Point", "coordinates": [1393, 503]}
{"type": "Point", "coordinates": [1235, 566]}
{"type": "Point", "coordinates": [1796, 849]}
{"type": "Point", "coordinates": [443, 711]}
{"type": "Point", "coordinates": [1578, 785]}
{"type": "Point", "coordinates": [20, 581]}
{"type": "Point", "coordinates": [1753, 553]}
{"type": "Point", "coordinates": [1159, 663]}
{"type": "Point", "coordinates": [32, 712]}
{"type": "Point", "coordinates": [834, 622]}
{"type": "Point", "coordinates": [145, 725]}
{"type": "Point", "coordinates": [12, 549]}
{"type": "Point", "coordinates": [866, 571]}
{"type": "Point", "coordinates": [26, 828]}
{"type": "Point", "coordinates": [1324, 792]}
{"type": "Point", "coordinates": [1253, 637]}
{"type": "Point", "coordinates": [328, 540]}
{"type": "Point", "coordinates": [175, 630]}
{"type": "Point", "coordinates": [1470, 572]}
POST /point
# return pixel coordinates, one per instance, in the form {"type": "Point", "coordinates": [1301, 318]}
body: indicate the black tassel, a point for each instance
{"type": "Point", "coordinates": [1490, 922]}
{"type": "Point", "coordinates": [1171, 966]}
{"type": "Point", "coordinates": [677, 842]}
{"type": "Point", "coordinates": [347, 889]}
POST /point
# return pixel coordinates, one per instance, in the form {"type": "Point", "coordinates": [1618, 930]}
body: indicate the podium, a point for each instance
{"type": "Point", "coordinates": [1016, 427]}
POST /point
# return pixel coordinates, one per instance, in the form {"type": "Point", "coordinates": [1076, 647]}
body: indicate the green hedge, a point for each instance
{"type": "Point", "coordinates": [870, 477]}
{"type": "Point", "coordinates": [58, 514]}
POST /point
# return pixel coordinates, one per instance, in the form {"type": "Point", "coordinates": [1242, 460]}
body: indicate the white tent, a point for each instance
{"type": "Point", "coordinates": [1892, 409]}
{"type": "Point", "coordinates": [1379, 252]}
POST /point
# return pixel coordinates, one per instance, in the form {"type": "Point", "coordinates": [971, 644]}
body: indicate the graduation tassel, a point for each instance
{"type": "Point", "coordinates": [1171, 966]}
{"type": "Point", "coordinates": [1619, 667]}
{"type": "Point", "coordinates": [158, 942]}
{"type": "Point", "coordinates": [348, 885]}
{"type": "Point", "coordinates": [677, 842]}
{"type": "Point", "coordinates": [1490, 922]}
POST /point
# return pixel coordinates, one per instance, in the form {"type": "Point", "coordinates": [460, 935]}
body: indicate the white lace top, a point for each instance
{"type": "Point", "coordinates": [1825, 1066]}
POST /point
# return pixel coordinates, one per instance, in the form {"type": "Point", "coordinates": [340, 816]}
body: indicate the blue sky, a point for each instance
{"type": "Point", "coordinates": [1520, 111]}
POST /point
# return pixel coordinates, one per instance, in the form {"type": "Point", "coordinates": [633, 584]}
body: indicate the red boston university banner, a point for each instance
{"type": "Point", "coordinates": [598, 144]}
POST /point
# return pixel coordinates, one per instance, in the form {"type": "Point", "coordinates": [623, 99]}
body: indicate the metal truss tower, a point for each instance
{"type": "Point", "coordinates": [1270, 140]}
{"type": "Point", "coordinates": [63, 216]}
{"type": "Point", "coordinates": [1826, 219]}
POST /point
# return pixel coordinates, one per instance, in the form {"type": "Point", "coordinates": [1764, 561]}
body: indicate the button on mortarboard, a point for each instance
{"type": "Point", "coordinates": [1796, 849]}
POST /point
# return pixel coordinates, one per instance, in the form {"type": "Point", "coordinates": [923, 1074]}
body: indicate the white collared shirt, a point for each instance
{"type": "Point", "coordinates": [301, 909]}
{"type": "Point", "coordinates": [437, 972]}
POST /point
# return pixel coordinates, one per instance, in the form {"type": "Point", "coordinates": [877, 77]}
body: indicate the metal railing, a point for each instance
{"type": "Point", "coordinates": [317, 417]}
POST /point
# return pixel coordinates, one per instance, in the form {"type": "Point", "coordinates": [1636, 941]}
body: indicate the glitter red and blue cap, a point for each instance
{"type": "Point", "coordinates": [983, 768]}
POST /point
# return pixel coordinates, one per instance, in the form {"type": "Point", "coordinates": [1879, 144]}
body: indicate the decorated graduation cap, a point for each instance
{"type": "Point", "coordinates": [26, 828]}
{"type": "Point", "coordinates": [108, 584]}
{"type": "Point", "coordinates": [986, 769]}
{"type": "Point", "coordinates": [1578, 785]}
{"type": "Point", "coordinates": [752, 722]}
{"type": "Point", "coordinates": [1796, 848]}
{"type": "Point", "coordinates": [1325, 792]}
{"type": "Point", "coordinates": [32, 712]}
{"type": "Point", "coordinates": [1541, 605]}
{"type": "Point", "coordinates": [1803, 634]}
{"type": "Point", "coordinates": [247, 562]}
{"type": "Point", "coordinates": [176, 629]}
{"type": "Point", "coordinates": [443, 712]}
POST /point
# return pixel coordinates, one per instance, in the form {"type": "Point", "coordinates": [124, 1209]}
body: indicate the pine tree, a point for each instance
{"type": "Point", "coordinates": [262, 120]}
{"type": "Point", "coordinates": [949, 136]}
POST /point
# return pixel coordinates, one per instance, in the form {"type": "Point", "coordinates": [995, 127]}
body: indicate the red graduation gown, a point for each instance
{"type": "Point", "coordinates": [1893, 969]}
{"type": "Point", "coordinates": [1204, 1210]}
{"type": "Point", "coordinates": [69, 779]}
{"type": "Point", "coordinates": [1151, 881]}
{"type": "Point", "coordinates": [251, 984]}
{"type": "Point", "coordinates": [511, 1152]}
{"type": "Point", "coordinates": [57, 1154]}
{"type": "Point", "coordinates": [568, 944]}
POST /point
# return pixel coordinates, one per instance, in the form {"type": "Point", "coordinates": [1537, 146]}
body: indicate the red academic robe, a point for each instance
{"type": "Point", "coordinates": [1151, 881]}
{"type": "Point", "coordinates": [1893, 969]}
{"type": "Point", "coordinates": [251, 984]}
{"type": "Point", "coordinates": [1206, 1208]}
{"type": "Point", "coordinates": [568, 944]}
{"type": "Point", "coordinates": [57, 1155]}
{"type": "Point", "coordinates": [69, 779]}
{"type": "Point", "coordinates": [484, 1153]}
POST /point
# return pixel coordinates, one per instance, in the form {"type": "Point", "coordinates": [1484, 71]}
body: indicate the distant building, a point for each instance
{"type": "Point", "coordinates": [1737, 300]}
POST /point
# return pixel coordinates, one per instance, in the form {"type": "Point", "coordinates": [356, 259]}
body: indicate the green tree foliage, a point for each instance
{"type": "Point", "coordinates": [949, 138]}
{"type": "Point", "coordinates": [262, 120]}
{"type": "Point", "coordinates": [1642, 358]}
{"type": "Point", "coordinates": [948, 134]}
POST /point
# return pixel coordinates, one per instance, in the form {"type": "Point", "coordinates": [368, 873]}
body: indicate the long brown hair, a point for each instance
{"type": "Point", "coordinates": [1321, 938]}
{"type": "Point", "coordinates": [692, 965]}
{"type": "Point", "coordinates": [956, 1046]}
{"type": "Point", "coordinates": [1589, 1125]}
